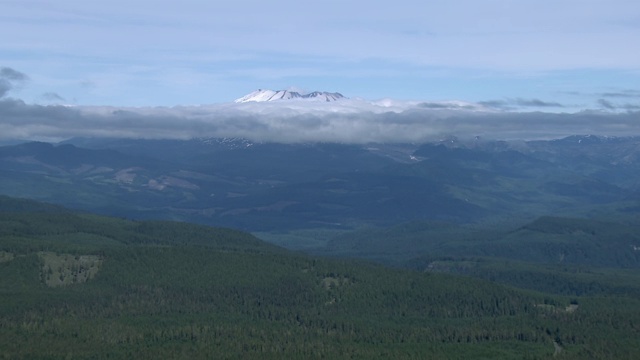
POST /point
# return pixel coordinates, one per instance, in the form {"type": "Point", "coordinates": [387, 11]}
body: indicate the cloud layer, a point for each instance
{"type": "Point", "coordinates": [290, 121]}
{"type": "Point", "coordinates": [351, 121]}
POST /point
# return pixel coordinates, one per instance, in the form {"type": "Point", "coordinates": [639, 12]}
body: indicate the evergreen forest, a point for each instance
{"type": "Point", "coordinates": [83, 286]}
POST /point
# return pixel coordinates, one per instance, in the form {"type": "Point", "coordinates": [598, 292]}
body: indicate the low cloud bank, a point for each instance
{"type": "Point", "coordinates": [347, 122]}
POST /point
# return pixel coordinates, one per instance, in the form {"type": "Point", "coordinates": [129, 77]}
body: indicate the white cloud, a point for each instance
{"type": "Point", "coordinates": [354, 121]}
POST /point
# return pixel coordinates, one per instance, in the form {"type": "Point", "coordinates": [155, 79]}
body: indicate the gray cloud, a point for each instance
{"type": "Point", "coordinates": [446, 105]}
{"type": "Point", "coordinates": [606, 104]}
{"type": "Point", "coordinates": [622, 94]}
{"type": "Point", "coordinates": [611, 106]}
{"type": "Point", "coordinates": [51, 96]}
{"type": "Point", "coordinates": [8, 78]}
{"type": "Point", "coordinates": [428, 105]}
{"type": "Point", "coordinates": [261, 122]}
{"type": "Point", "coordinates": [347, 121]}
{"type": "Point", "coordinates": [536, 103]}
{"type": "Point", "coordinates": [509, 104]}
{"type": "Point", "coordinates": [5, 86]}
{"type": "Point", "coordinates": [499, 104]}
{"type": "Point", "coordinates": [11, 74]}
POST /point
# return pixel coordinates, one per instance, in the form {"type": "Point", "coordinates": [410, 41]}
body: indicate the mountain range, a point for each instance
{"type": "Point", "coordinates": [281, 187]}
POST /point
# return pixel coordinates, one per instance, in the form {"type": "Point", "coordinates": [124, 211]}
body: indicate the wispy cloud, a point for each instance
{"type": "Point", "coordinates": [11, 74]}
{"type": "Point", "coordinates": [606, 104]}
{"type": "Point", "coordinates": [622, 94]}
{"type": "Point", "coordinates": [520, 102]}
{"type": "Point", "coordinates": [51, 97]}
{"type": "Point", "coordinates": [9, 78]}
{"type": "Point", "coordinates": [537, 103]}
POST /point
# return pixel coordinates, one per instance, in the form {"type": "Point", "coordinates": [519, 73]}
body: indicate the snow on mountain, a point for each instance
{"type": "Point", "coordinates": [338, 102]}
{"type": "Point", "coordinates": [273, 95]}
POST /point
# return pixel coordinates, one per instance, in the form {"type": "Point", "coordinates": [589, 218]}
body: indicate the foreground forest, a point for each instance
{"type": "Point", "coordinates": [77, 285]}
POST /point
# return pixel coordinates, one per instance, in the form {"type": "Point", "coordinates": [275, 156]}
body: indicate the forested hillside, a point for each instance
{"type": "Point", "coordinates": [549, 240]}
{"type": "Point", "coordinates": [84, 286]}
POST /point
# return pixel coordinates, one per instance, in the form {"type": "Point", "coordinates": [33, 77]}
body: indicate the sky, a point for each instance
{"type": "Point", "coordinates": [561, 56]}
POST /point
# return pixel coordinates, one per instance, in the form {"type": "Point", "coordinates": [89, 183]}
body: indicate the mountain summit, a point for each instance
{"type": "Point", "coordinates": [273, 95]}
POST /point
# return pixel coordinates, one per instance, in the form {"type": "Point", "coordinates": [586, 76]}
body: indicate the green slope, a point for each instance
{"type": "Point", "coordinates": [83, 286]}
{"type": "Point", "coordinates": [548, 240]}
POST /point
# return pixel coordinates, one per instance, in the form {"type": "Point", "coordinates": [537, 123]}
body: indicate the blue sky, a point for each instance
{"type": "Point", "coordinates": [561, 55]}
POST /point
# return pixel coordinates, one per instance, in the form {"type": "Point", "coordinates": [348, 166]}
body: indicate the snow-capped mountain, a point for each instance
{"type": "Point", "coordinates": [272, 95]}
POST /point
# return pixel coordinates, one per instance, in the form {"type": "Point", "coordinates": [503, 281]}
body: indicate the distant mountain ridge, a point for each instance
{"type": "Point", "coordinates": [262, 95]}
{"type": "Point", "coordinates": [262, 186]}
